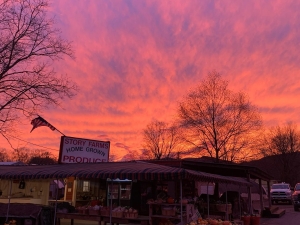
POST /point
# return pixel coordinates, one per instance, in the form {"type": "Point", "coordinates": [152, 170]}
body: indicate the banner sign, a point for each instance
{"type": "Point", "coordinates": [79, 150]}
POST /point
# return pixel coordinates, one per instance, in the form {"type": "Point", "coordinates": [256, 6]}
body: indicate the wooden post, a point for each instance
{"type": "Point", "coordinates": [269, 194]}
{"type": "Point", "coordinates": [261, 196]}
{"type": "Point", "coordinates": [250, 211]}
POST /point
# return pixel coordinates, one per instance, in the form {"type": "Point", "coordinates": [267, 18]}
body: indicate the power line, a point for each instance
{"type": "Point", "coordinates": [32, 143]}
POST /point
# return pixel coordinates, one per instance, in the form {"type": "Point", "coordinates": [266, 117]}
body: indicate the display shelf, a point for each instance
{"type": "Point", "coordinates": [167, 217]}
{"type": "Point", "coordinates": [120, 190]}
{"type": "Point", "coordinates": [168, 204]}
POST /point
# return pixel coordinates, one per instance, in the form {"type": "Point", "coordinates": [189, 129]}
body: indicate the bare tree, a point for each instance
{"type": "Point", "coordinates": [4, 157]}
{"type": "Point", "coordinates": [29, 44]}
{"type": "Point", "coordinates": [281, 140]}
{"type": "Point", "coordinates": [219, 122]}
{"type": "Point", "coordinates": [284, 143]}
{"type": "Point", "coordinates": [33, 156]}
{"type": "Point", "coordinates": [21, 154]}
{"type": "Point", "coordinates": [44, 158]}
{"type": "Point", "coordinates": [161, 141]}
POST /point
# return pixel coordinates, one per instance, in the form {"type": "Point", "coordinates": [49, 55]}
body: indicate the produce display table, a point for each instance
{"type": "Point", "coordinates": [222, 215]}
{"type": "Point", "coordinates": [143, 220]}
{"type": "Point", "coordinates": [21, 211]}
{"type": "Point", "coordinates": [77, 216]}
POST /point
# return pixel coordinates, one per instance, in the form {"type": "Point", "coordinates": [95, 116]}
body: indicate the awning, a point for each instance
{"type": "Point", "coordinates": [208, 177]}
{"type": "Point", "coordinates": [254, 188]}
{"type": "Point", "coordinates": [133, 170]}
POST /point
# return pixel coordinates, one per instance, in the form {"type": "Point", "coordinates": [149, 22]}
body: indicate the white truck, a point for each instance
{"type": "Point", "coordinates": [281, 192]}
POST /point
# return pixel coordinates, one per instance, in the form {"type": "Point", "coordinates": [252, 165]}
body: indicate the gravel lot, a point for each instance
{"type": "Point", "coordinates": [289, 218]}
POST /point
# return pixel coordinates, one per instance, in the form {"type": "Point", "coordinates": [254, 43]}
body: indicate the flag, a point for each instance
{"type": "Point", "coordinates": [39, 121]}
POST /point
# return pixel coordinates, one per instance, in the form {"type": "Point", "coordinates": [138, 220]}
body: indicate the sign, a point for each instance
{"type": "Point", "coordinates": [79, 150]}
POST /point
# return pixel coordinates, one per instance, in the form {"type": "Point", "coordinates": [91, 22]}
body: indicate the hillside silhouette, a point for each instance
{"type": "Point", "coordinates": [284, 167]}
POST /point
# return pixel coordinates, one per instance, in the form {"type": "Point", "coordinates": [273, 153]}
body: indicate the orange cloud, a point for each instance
{"type": "Point", "coordinates": [136, 59]}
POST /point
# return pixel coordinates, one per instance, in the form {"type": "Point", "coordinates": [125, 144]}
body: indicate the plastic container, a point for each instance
{"type": "Point", "coordinates": [246, 220]}
{"type": "Point", "coordinates": [255, 220]}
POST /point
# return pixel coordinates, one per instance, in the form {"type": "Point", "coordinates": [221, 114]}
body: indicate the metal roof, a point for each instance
{"type": "Point", "coordinates": [209, 165]}
{"type": "Point", "coordinates": [134, 170]}
{"type": "Point", "coordinates": [225, 169]}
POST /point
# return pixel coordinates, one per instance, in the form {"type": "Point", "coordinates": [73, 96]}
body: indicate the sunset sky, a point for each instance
{"type": "Point", "coordinates": [136, 59]}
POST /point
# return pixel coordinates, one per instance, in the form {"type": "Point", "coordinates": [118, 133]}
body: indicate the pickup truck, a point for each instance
{"type": "Point", "coordinates": [281, 192]}
{"type": "Point", "coordinates": [296, 197]}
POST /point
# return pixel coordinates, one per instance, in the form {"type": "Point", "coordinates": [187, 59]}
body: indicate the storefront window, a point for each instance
{"type": "Point", "coordinates": [86, 186]}
{"type": "Point", "coordinates": [90, 190]}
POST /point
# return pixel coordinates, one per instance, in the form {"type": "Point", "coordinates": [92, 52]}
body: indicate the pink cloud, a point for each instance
{"type": "Point", "coordinates": [136, 59]}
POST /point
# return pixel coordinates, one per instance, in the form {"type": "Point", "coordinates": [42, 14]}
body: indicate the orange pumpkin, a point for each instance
{"type": "Point", "coordinates": [170, 200]}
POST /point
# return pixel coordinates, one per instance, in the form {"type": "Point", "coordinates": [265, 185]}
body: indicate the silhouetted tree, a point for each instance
{"type": "Point", "coordinates": [160, 141]}
{"type": "Point", "coordinates": [42, 160]}
{"type": "Point", "coordinates": [21, 154]}
{"type": "Point", "coordinates": [33, 156]}
{"type": "Point", "coordinates": [38, 156]}
{"type": "Point", "coordinates": [219, 122]}
{"type": "Point", "coordinates": [29, 44]}
{"type": "Point", "coordinates": [4, 157]}
{"type": "Point", "coordinates": [283, 142]}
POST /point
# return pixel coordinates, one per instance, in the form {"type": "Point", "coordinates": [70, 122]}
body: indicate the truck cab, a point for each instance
{"type": "Point", "coordinates": [281, 192]}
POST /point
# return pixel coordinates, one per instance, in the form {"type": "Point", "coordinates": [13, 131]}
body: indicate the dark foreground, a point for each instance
{"type": "Point", "coordinates": [289, 218]}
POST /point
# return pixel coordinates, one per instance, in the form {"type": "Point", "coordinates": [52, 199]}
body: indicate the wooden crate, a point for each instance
{"type": "Point", "coordinates": [168, 212]}
{"type": "Point", "coordinates": [131, 215]}
{"type": "Point", "coordinates": [104, 211]}
{"type": "Point", "coordinates": [94, 212]}
{"type": "Point", "coordinates": [119, 214]}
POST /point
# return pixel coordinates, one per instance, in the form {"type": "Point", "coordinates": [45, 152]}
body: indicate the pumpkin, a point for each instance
{"type": "Point", "coordinates": [170, 200]}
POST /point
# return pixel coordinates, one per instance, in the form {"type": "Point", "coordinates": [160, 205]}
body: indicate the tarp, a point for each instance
{"type": "Point", "coordinates": [254, 188]}
{"type": "Point", "coordinates": [59, 184]}
{"type": "Point", "coordinates": [133, 170]}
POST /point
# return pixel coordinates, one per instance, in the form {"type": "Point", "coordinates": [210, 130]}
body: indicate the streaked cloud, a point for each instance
{"type": "Point", "coordinates": [136, 59]}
